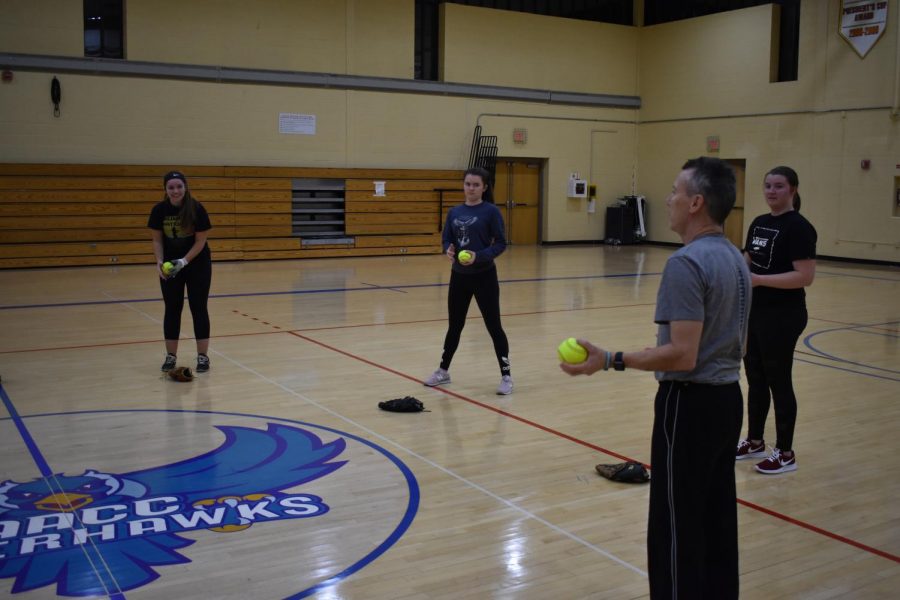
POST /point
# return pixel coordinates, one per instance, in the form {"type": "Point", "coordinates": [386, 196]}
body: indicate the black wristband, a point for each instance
{"type": "Point", "coordinates": [618, 362]}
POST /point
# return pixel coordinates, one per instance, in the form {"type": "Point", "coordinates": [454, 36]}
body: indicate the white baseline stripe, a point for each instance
{"type": "Point", "coordinates": [134, 308]}
{"type": "Point", "coordinates": [471, 484]}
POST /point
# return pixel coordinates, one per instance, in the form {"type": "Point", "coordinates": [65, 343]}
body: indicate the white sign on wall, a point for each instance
{"type": "Point", "coordinates": [297, 124]}
{"type": "Point", "coordinates": [863, 23]}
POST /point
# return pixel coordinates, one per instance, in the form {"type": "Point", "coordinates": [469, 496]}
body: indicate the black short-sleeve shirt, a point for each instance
{"type": "Point", "coordinates": [774, 243]}
{"type": "Point", "coordinates": [176, 243]}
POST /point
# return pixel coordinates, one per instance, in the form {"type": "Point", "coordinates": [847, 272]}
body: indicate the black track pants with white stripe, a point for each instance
{"type": "Point", "coordinates": [692, 539]}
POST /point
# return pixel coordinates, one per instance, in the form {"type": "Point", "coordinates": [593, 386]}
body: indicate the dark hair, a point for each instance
{"type": "Point", "coordinates": [188, 213]}
{"type": "Point", "coordinates": [713, 178]}
{"type": "Point", "coordinates": [792, 179]}
{"type": "Point", "coordinates": [488, 195]}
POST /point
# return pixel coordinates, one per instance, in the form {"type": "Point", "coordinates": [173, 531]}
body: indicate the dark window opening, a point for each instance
{"type": "Point", "coordinates": [789, 41]}
{"type": "Point", "coordinates": [427, 39]}
{"type": "Point", "coordinates": [104, 31]}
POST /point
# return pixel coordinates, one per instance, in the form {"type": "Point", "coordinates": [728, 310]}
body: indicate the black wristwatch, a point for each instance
{"type": "Point", "coordinates": [618, 362]}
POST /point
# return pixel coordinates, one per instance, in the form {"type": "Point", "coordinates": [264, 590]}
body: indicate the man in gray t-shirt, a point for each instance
{"type": "Point", "coordinates": [702, 309]}
{"type": "Point", "coordinates": [707, 273]}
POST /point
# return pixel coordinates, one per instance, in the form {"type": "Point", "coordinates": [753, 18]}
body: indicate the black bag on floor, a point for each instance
{"type": "Point", "coordinates": [628, 472]}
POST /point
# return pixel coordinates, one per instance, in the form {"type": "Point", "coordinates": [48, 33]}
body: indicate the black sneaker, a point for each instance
{"type": "Point", "coordinates": [202, 363]}
{"type": "Point", "coordinates": [169, 363]}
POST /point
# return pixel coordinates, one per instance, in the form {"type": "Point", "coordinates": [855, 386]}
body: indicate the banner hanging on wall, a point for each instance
{"type": "Point", "coordinates": [862, 23]}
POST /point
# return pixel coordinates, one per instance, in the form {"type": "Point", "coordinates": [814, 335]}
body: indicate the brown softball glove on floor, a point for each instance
{"type": "Point", "coordinates": [181, 374]}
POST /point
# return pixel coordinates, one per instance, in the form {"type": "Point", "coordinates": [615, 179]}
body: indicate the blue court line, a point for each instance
{"type": "Point", "coordinates": [406, 520]}
{"type": "Point", "coordinates": [808, 344]}
{"type": "Point", "coordinates": [368, 288]}
{"type": "Point", "coordinates": [39, 459]}
{"type": "Point", "coordinates": [45, 470]}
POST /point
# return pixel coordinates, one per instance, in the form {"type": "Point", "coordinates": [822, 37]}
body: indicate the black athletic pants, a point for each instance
{"type": "Point", "coordinates": [486, 290]}
{"type": "Point", "coordinates": [692, 537]}
{"type": "Point", "coordinates": [772, 337]}
{"type": "Point", "coordinates": [196, 277]}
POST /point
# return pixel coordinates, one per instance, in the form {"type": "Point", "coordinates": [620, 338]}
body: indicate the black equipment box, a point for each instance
{"type": "Point", "coordinates": [622, 222]}
{"type": "Point", "coordinates": [620, 225]}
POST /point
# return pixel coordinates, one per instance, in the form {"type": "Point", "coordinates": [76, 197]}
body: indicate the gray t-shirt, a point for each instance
{"type": "Point", "coordinates": [707, 280]}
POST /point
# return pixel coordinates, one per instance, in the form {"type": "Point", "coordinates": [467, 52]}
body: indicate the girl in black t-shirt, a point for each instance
{"type": "Point", "coordinates": [179, 226]}
{"type": "Point", "coordinates": [781, 252]}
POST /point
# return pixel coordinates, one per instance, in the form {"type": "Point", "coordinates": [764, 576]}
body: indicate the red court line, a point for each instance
{"type": "Point", "coordinates": [132, 342]}
{"type": "Point", "coordinates": [581, 442]}
{"type": "Point", "coordinates": [819, 530]}
{"type": "Point", "coordinates": [464, 398]}
{"type": "Point", "coordinates": [523, 420]}
{"type": "Point", "coordinates": [328, 328]}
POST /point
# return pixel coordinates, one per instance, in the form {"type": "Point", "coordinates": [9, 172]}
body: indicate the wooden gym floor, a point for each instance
{"type": "Point", "coordinates": [276, 475]}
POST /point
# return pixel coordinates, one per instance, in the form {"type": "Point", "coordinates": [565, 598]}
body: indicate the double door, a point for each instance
{"type": "Point", "coordinates": [517, 193]}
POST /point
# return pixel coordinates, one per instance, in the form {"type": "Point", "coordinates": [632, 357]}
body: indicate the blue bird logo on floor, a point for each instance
{"type": "Point", "coordinates": [53, 529]}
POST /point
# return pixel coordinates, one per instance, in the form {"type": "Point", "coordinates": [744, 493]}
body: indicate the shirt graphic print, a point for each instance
{"type": "Point", "coordinates": [762, 246]}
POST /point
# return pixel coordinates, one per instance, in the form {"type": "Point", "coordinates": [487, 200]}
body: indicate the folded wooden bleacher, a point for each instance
{"type": "Point", "coordinates": [66, 214]}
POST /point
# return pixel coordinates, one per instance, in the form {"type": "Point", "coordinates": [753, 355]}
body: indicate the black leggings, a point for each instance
{"type": "Point", "coordinates": [197, 277]}
{"type": "Point", "coordinates": [486, 289]}
{"type": "Point", "coordinates": [773, 334]}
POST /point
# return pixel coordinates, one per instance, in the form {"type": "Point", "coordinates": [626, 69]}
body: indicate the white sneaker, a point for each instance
{"type": "Point", "coordinates": [439, 377]}
{"type": "Point", "coordinates": [506, 386]}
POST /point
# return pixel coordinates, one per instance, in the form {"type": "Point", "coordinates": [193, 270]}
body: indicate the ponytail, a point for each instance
{"type": "Point", "coordinates": [188, 212]}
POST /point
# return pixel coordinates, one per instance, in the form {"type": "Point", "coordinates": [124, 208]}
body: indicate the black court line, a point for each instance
{"type": "Point", "coordinates": [808, 343]}
{"type": "Point", "coordinates": [875, 277]}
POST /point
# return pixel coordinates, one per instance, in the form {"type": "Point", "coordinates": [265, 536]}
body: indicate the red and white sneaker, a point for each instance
{"type": "Point", "coordinates": [747, 449]}
{"type": "Point", "coordinates": [777, 463]}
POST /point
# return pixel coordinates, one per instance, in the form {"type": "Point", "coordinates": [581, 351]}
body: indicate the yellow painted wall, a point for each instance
{"type": "Point", "coordinates": [355, 37]}
{"type": "Point", "coordinates": [371, 37]}
{"type": "Point", "coordinates": [148, 121]}
{"type": "Point", "coordinates": [134, 120]}
{"type": "Point", "coordinates": [497, 47]}
{"type": "Point", "coordinates": [700, 77]}
{"type": "Point", "coordinates": [823, 125]}
{"type": "Point", "coordinates": [598, 145]}
{"type": "Point", "coordinates": [382, 38]}
{"type": "Point", "coordinates": [54, 27]}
